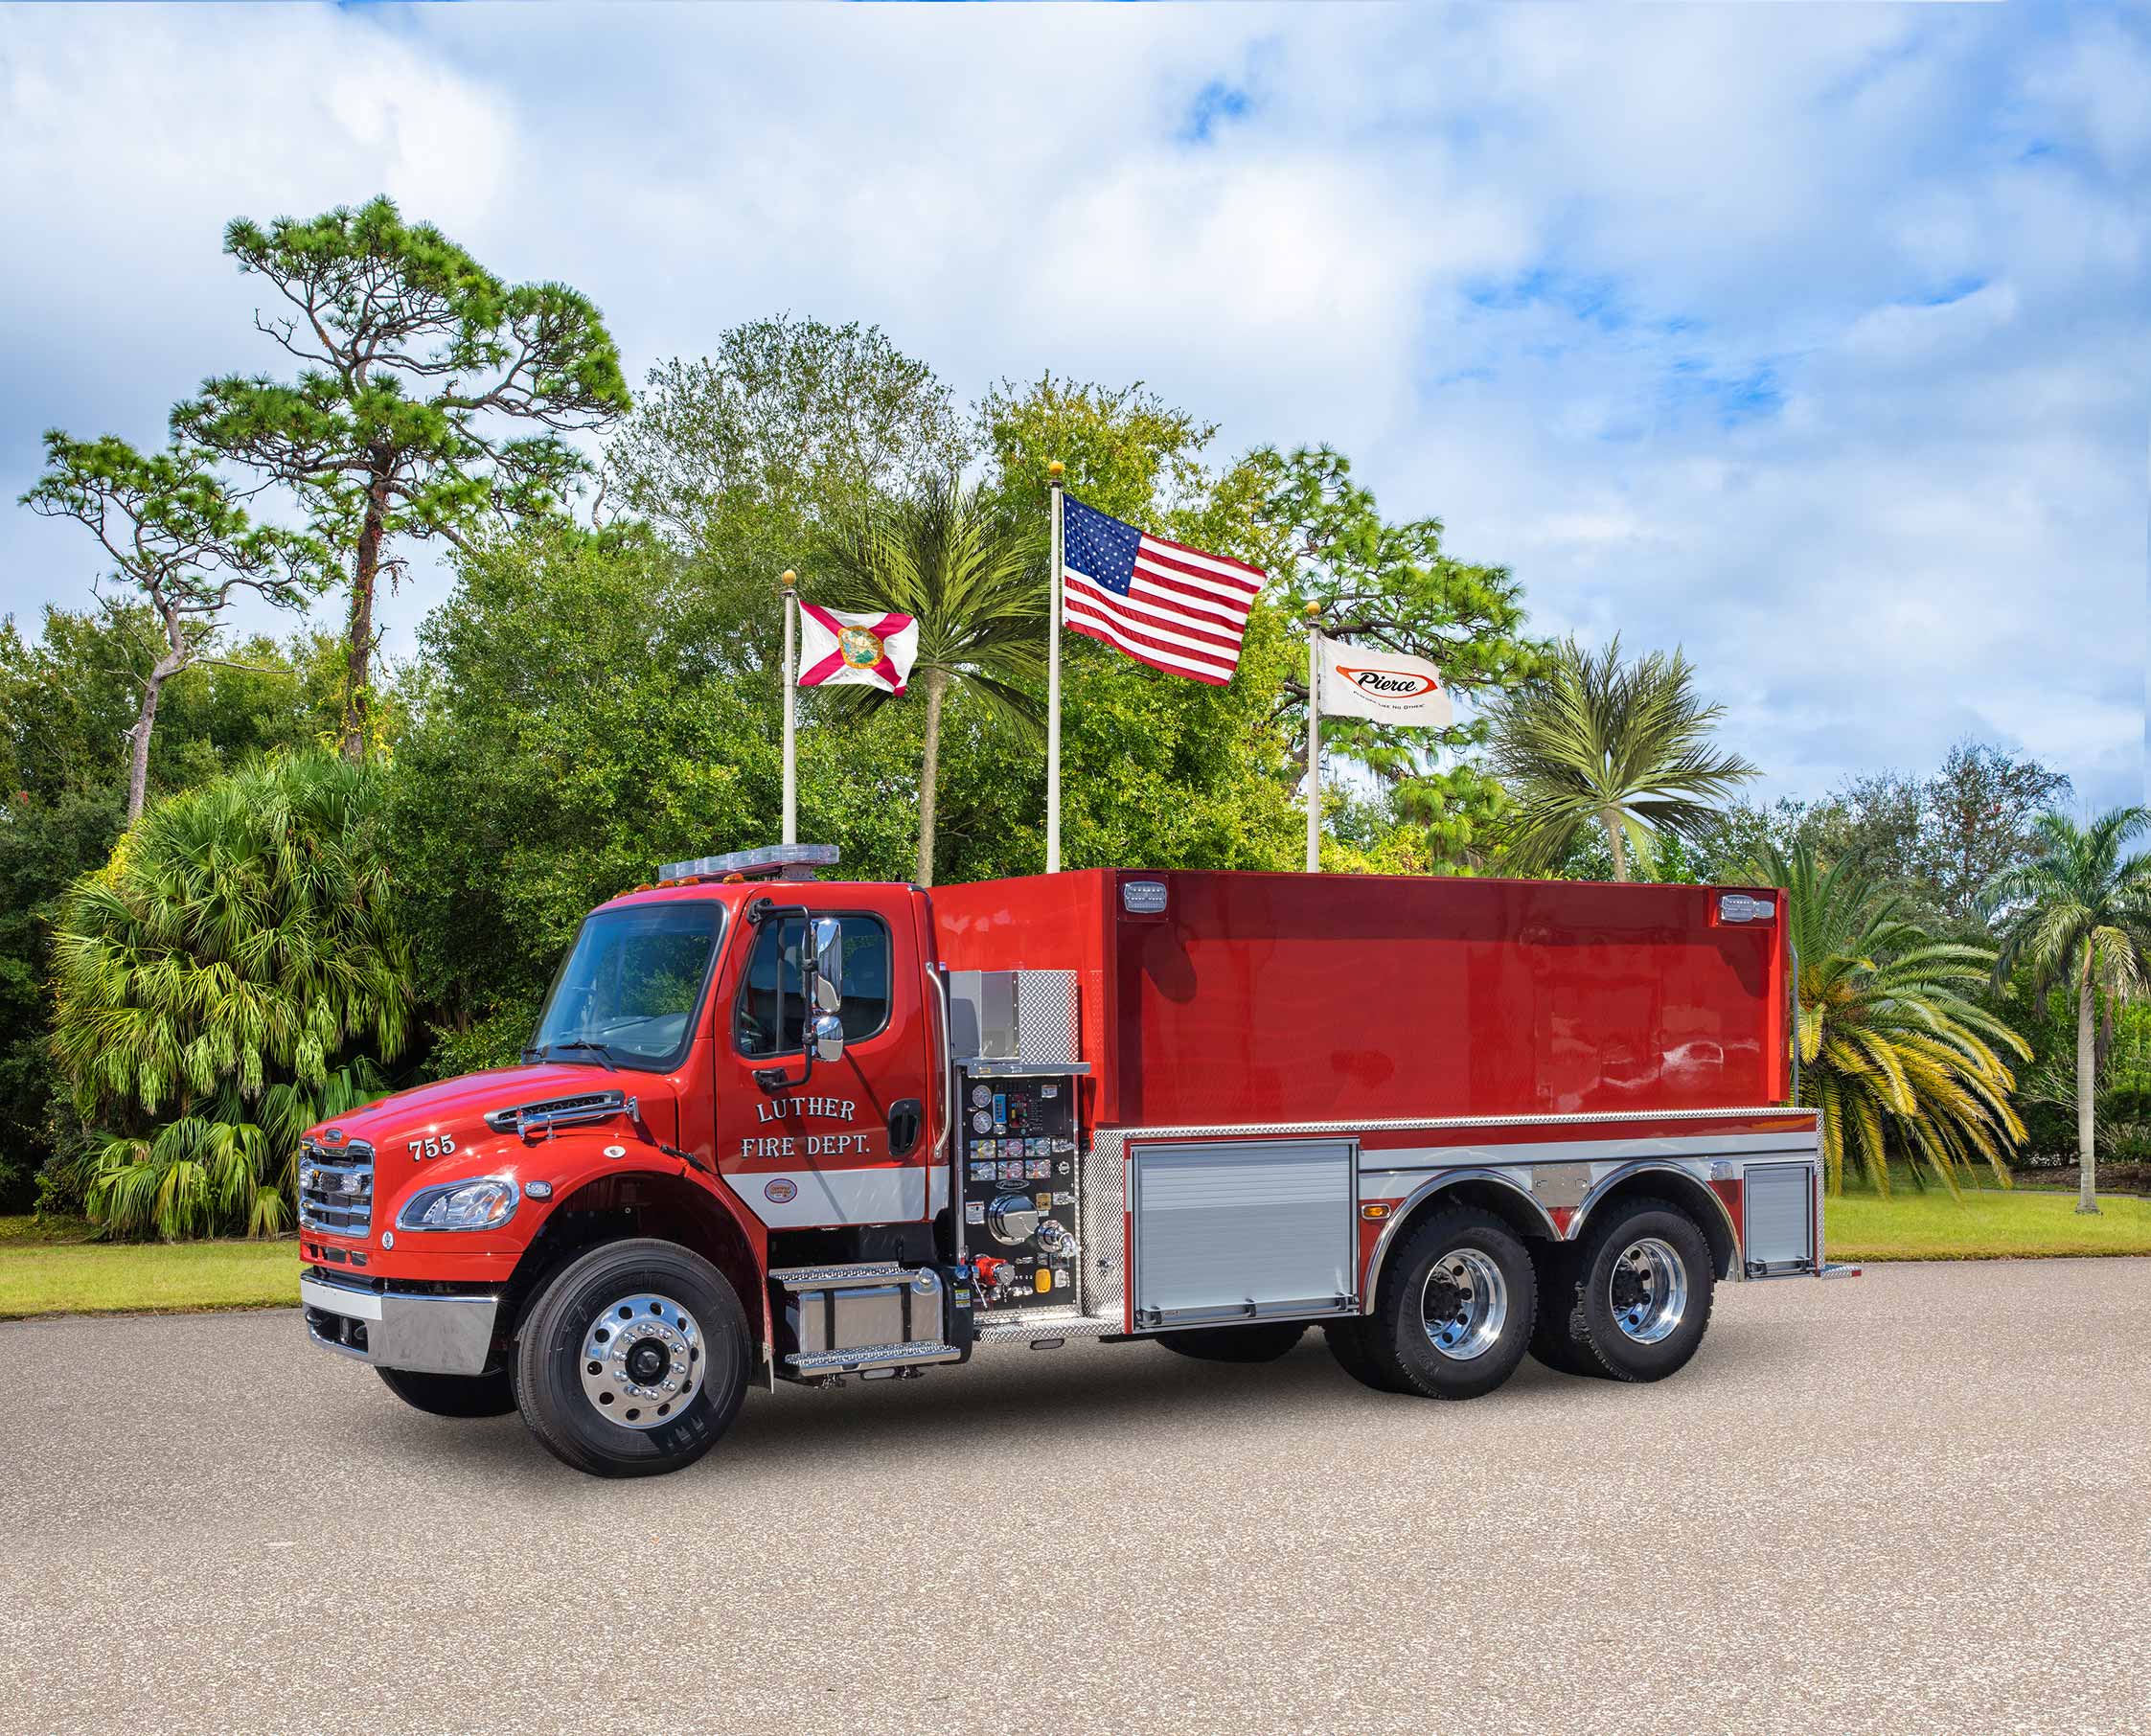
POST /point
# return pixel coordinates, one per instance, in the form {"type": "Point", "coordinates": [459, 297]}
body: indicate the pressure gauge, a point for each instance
{"type": "Point", "coordinates": [981, 1096]}
{"type": "Point", "coordinates": [982, 1123]}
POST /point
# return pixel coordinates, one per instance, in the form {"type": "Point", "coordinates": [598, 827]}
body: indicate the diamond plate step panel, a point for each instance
{"type": "Point", "coordinates": [868, 1355]}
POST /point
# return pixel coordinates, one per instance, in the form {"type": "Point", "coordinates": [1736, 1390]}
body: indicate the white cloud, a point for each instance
{"type": "Point", "coordinates": [1812, 340]}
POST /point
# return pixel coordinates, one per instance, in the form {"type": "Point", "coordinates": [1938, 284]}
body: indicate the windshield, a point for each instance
{"type": "Point", "coordinates": [627, 994]}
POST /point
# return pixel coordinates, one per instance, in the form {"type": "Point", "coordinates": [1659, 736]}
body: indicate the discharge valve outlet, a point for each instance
{"type": "Point", "coordinates": [1055, 1241]}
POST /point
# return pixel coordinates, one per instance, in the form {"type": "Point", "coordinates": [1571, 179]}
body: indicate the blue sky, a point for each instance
{"type": "Point", "coordinates": [1812, 340]}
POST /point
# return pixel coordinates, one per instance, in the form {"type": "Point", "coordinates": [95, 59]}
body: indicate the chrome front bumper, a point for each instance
{"type": "Point", "coordinates": [401, 1329]}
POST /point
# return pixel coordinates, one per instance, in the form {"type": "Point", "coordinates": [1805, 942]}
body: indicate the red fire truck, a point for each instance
{"type": "Point", "coordinates": [772, 1128]}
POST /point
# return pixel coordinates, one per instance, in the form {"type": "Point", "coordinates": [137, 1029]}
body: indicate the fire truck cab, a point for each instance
{"type": "Point", "coordinates": [773, 1128]}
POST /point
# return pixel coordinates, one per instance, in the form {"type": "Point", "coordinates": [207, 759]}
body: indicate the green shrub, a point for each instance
{"type": "Point", "coordinates": [235, 972]}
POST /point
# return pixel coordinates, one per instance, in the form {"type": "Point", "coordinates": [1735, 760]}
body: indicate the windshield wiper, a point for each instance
{"type": "Point", "coordinates": [546, 1051]}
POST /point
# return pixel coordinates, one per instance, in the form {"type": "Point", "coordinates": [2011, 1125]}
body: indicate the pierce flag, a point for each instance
{"type": "Point", "coordinates": [1385, 686]}
{"type": "Point", "coordinates": [841, 648]}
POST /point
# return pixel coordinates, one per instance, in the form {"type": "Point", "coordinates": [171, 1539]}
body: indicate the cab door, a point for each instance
{"type": "Point", "coordinates": [810, 1144]}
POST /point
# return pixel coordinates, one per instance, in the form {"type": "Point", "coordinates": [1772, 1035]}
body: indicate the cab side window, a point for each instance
{"type": "Point", "coordinates": [771, 1019]}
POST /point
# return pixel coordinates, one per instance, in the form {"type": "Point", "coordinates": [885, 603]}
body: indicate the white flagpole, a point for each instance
{"type": "Point", "coordinates": [1314, 741]}
{"type": "Point", "coordinates": [790, 702]}
{"type": "Point", "coordinates": [1053, 691]}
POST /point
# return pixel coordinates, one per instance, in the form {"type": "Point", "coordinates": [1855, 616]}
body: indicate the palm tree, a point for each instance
{"type": "Point", "coordinates": [2079, 914]}
{"type": "Point", "coordinates": [1624, 748]}
{"type": "Point", "coordinates": [979, 594]}
{"type": "Point", "coordinates": [1893, 1045]}
{"type": "Point", "coordinates": [223, 981]}
{"type": "Point", "coordinates": [230, 1164]}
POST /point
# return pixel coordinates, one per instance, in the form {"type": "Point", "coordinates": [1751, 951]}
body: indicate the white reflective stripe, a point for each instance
{"type": "Point", "coordinates": [1377, 1165]}
{"type": "Point", "coordinates": [819, 1196]}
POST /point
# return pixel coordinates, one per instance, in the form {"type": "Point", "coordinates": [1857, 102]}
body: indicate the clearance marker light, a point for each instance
{"type": "Point", "coordinates": [1375, 1212]}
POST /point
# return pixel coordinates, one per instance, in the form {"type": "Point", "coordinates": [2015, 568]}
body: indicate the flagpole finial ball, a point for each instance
{"type": "Point", "coordinates": [790, 578]}
{"type": "Point", "coordinates": [1055, 468]}
{"type": "Point", "coordinates": [1314, 609]}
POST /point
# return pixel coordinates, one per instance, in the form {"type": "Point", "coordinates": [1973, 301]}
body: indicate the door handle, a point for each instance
{"type": "Point", "coordinates": [906, 1119]}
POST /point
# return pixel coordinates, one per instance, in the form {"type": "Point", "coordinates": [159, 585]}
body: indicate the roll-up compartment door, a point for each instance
{"type": "Point", "coordinates": [1243, 1230]}
{"type": "Point", "coordinates": [1777, 1210]}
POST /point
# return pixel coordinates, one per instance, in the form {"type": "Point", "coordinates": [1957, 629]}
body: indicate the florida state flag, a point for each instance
{"type": "Point", "coordinates": [838, 647]}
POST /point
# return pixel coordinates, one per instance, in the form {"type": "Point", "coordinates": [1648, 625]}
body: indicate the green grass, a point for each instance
{"type": "Point", "coordinates": [1986, 1223]}
{"type": "Point", "coordinates": [54, 1268]}
{"type": "Point", "coordinates": [51, 1269]}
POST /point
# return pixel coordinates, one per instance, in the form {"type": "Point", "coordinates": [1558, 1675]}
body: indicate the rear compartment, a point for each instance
{"type": "Point", "coordinates": [1237, 998]}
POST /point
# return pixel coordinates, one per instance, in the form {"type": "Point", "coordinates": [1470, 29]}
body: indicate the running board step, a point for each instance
{"type": "Point", "coordinates": [868, 1355]}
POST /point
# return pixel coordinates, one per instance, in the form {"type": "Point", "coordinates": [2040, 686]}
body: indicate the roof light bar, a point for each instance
{"type": "Point", "coordinates": [781, 861]}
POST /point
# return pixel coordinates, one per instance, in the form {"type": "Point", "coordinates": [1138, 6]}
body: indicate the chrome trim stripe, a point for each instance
{"type": "Point", "coordinates": [1406, 1159]}
{"type": "Point", "coordinates": [1589, 1118]}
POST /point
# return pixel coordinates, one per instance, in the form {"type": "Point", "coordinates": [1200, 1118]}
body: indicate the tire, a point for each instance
{"type": "Point", "coordinates": [1646, 1288]}
{"type": "Point", "coordinates": [1558, 1338]}
{"type": "Point", "coordinates": [689, 1329]}
{"type": "Point", "coordinates": [1260, 1342]}
{"type": "Point", "coordinates": [1477, 1274]}
{"type": "Point", "coordinates": [452, 1395]}
{"type": "Point", "coordinates": [1348, 1342]}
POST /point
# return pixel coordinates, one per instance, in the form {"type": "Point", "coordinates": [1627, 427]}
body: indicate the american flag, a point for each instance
{"type": "Point", "coordinates": [1163, 603]}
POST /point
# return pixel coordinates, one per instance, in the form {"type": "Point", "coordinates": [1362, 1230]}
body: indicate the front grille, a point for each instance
{"type": "Point", "coordinates": [336, 1189]}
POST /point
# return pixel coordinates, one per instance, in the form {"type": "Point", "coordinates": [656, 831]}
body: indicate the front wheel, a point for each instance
{"type": "Point", "coordinates": [452, 1395]}
{"type": "Point", "coordinates": [1454, 1315]}
{"type": "Point", "coordinates": [633, 1360]}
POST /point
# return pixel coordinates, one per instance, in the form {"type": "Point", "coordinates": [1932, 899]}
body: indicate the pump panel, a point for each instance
{"type": "Point", "coordinates": [1019, 1186]}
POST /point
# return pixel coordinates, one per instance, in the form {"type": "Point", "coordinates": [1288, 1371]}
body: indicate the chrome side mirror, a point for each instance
{"type": "Point", "coordinates": [826, 1032]}
{"type": "Point", "coordinates": [824, 965]}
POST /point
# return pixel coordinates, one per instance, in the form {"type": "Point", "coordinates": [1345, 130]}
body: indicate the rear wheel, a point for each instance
{"type": "Point", "coordinates": [633, 1360]}
{"type": "Point", "coordinates": [1646, 1286]}
{"type": "Point", "coordinates": [1453, 1313]}
{"type": "Point", "coordinates": [452, 1395]}
{"type": "Point", "coordinates": [1262, 1341]}
{"type": "Point", "coordinates": [1557, 1338]}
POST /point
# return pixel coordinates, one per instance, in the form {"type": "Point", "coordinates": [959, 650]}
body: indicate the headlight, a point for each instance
{"type": "Point", "coordinates": [486, 1203]}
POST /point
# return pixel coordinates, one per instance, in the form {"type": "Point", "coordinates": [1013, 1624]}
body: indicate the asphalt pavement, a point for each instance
{"type": "Point", "coordinates": [1915, 1502]}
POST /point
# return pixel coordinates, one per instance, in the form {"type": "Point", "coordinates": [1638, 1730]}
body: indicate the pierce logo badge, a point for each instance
{"type": "Point", "coordinates": [1390, 683]}
{"type": "Point", "coordinates": [781, 1190]}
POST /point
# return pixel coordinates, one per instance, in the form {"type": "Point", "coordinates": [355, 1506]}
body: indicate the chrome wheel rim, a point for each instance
{"type": "Point", "coordinates": [1464, 1304]}
{"type": "Point", "coordinates": [1648, 1291]}
{"type": "Point", "coordinates": [642, 1360]}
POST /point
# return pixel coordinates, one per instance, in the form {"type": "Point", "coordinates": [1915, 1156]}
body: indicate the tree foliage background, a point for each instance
{"type": "Point", "coordinates": [598, 691]}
